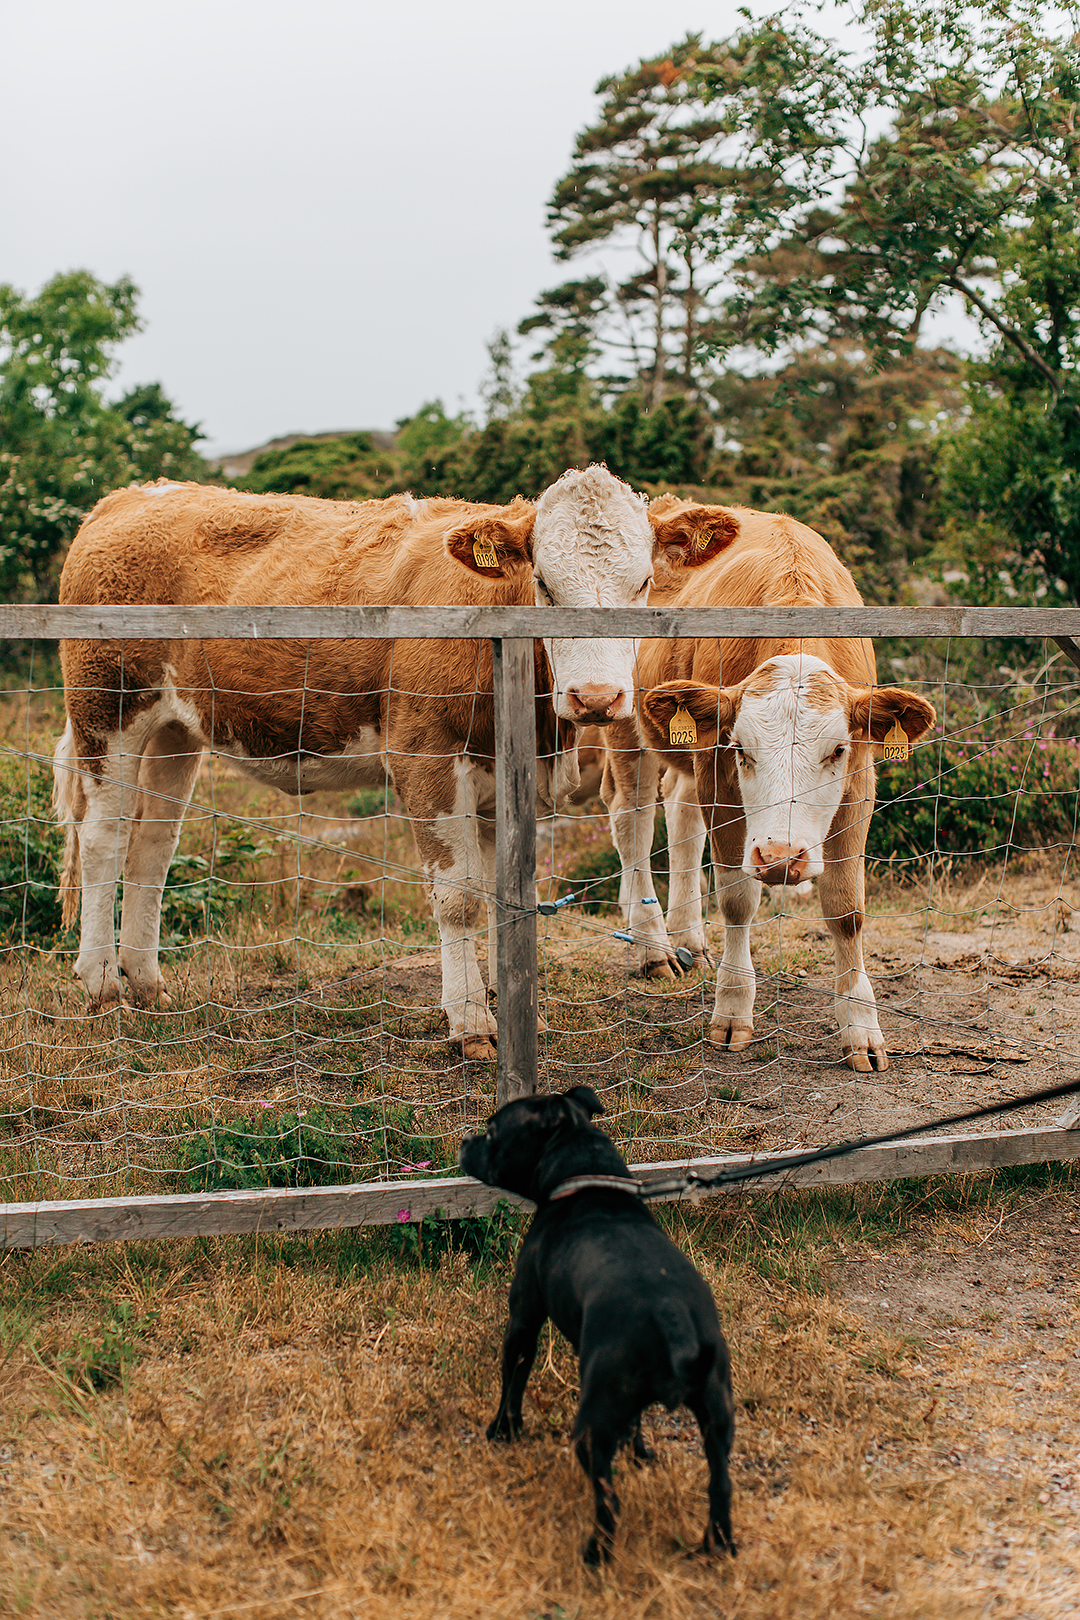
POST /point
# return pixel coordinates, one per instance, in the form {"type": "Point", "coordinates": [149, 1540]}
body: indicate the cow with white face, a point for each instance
{"type": "Point", "coordinates": [766, 748]}
{"type": "Point", "coordinates": [303, 716]}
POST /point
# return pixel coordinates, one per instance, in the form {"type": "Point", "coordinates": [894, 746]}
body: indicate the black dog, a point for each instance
{"type": "Point", "coordinates": [639, 1315]}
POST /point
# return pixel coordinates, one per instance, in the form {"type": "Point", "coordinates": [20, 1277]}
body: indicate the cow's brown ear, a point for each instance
{"type": "Point", "coordinates": [874, 710]}
{"type": "Point", "coordinates": [689, 535]}
{"type": "Point", "coordinates": [709, 713]}
{"type": "Point", "coordinates": [493, 543]}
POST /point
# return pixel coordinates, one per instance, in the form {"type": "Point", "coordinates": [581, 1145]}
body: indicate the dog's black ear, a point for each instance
{"type": "Point", "coordinates": [586, 1098]}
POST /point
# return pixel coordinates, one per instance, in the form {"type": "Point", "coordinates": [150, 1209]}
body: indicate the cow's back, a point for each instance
{"type": "Point", "coordinates": [194, 543]}
{"type": "Point", "coordinates": [775, 561]}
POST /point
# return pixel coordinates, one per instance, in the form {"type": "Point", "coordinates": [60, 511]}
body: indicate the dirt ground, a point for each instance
{"type": "Point", "coordinates": [995, 1323]}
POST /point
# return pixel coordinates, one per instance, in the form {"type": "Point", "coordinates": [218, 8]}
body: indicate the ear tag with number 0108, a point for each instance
{"type": "Point", "coordinates": [484, 554]}
{"type": "Point", "coordinates": [896, 743]}
{"type": "Point", "coordinates": [682, 729]}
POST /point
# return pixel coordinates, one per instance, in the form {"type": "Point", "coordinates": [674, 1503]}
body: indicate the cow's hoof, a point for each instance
{"type": "Point", "coordinates": [866, 1062]}
{"type": "Point", "coordinates": [735, 1037]}
{"type": "Point", "coordinates": [664, 968]}
{"type": "Point", "coordinates": [150, 999]}
{"type": "Point", "coordinates": [478, 1049]}
{"type": "Point", "coordinates": [107, 1000]}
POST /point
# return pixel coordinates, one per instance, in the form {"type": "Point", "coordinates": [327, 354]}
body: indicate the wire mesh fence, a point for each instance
{"type": "Point", "coordinates": [303, 1043]}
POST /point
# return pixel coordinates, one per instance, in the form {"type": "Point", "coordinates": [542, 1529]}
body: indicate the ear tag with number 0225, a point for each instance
{"type": "Point", "coordinates": [896, 743]}
{"type": "Point", "coordinates": [484, 554]}
{"type": "Point", "coordinates": [682, 729]}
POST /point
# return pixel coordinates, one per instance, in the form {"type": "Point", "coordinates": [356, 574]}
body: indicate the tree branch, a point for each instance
{"type": "Point", "coordinates": [1009, 333]}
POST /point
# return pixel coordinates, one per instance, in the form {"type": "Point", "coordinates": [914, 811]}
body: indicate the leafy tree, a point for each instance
{"type": "Point", "coordinates": [499, 388]}
{"type": "Point", "coordinates": [61, 445]}
{"type": "Point", "coordinates": [641, 176]}
{"type": "Point", "coordinates": [522, 453]}
{"type": "Point", "coordinates": [973, 194]}
{"type": "Point", "coordinates": [851, 451]}
{"type": "Point", "coordinates": [568, 318]}
{"type": "Point", "coordinates": [425, 440]}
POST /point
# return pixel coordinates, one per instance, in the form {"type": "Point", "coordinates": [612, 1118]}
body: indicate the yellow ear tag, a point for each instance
{"type": "Point", "coordinates": [897, 746]}
{"type": "Point", "coordinates": [705, 539]}
{"type": "Point", "coordinates": [484, 554]}
{"type": "Point", "coordinates": [682, 729]}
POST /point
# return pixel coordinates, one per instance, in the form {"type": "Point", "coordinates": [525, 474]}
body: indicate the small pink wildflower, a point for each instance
{"type": "Point", "coordinates": [404, 1214]}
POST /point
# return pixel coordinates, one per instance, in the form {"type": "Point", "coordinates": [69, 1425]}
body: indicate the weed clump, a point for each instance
{"type": "Point", "coordinates": [103, 1363]}
{"type": "Point", "coordinates": [319, 1146]}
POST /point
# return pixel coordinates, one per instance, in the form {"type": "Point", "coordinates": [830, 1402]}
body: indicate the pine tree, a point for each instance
{"type": "Point", "coordinates": [642, 176]}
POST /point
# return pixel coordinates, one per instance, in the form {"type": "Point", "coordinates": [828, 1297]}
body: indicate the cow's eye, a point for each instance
{"type": "Point", "coordinates": [837, 754]}
{"type": "Point", "coordinates": [743, 758]}
{"type": "Point", "coordinates": [645, 587]}
{"type": "Point", "coordinates": [542, 588]}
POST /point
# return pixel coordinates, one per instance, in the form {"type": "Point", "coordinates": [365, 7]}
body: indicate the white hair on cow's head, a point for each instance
{"type": "Point", "coordinates": [791, 736]}
{"type": "Point", "coordinates": [593, 546]}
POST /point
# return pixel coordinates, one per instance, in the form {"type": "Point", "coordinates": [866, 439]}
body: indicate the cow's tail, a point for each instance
{"type": "Point", "coordinates": [69, 805]}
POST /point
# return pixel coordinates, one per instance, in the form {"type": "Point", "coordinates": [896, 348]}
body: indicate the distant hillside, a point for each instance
{"type": "Point", "coordinates": [240, 464]}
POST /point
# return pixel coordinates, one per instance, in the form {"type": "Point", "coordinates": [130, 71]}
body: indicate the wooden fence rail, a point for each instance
{"type": "Point", "coordinates": [511, 631]}
{"type": "Point", "coordinates": [49, 622]}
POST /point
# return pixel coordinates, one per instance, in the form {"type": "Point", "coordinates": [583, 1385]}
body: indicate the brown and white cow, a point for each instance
{"type": "Point", "coordinates": [781, 766]}
{"type": "Point", "coordinates": [332, 714]}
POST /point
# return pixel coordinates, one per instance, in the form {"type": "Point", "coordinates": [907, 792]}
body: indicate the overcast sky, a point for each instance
{"type": "Point", "coordinates": [328, 207]}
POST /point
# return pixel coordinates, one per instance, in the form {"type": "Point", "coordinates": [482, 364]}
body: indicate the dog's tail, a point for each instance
{"type": "Point", "coordinates": [69, 807]}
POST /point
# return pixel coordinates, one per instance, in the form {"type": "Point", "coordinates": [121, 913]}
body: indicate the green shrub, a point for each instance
{"type": "Point", "coordinates": [30, 848]}
{"type": "Point", "coordinates": [341, 467]}
{"type": "Point", "coordinates": [203, 891]}
{"type": "Point", "coordinates": [978, 796]}
{"type": "Point", "coordinates": [320, 1146]}
{"type": "Point", "coordinates": [99, 1364]}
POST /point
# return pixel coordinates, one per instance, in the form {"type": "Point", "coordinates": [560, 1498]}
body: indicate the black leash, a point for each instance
{"type": "Point", "coordinates": [838, 1150]}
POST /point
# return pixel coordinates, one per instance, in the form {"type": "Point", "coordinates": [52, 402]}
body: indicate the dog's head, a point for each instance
{"type": "Point", "coordinates": [509, 1153]}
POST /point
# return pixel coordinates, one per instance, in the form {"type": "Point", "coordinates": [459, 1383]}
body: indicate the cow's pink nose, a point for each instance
{"type": "Point", "coordinates": [779, 863]}
{"type": "Point", "coordinates": [595, 703]}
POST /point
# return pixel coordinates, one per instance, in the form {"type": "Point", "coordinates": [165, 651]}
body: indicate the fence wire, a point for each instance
{"type": "Point", "coordinates": [304, 1042]}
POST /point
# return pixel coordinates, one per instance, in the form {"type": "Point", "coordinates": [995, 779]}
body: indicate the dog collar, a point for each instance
{"type": "Point", "coordinates": [576, 1184]}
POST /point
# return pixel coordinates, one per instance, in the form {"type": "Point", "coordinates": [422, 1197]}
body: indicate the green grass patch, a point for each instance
{"type": "Point", "coordinates": [320, 1146]}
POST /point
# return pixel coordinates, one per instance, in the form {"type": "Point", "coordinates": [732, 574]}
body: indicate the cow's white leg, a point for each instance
{"type": "Point", "coordinates": [103, 833]}
{"type": "Point", "coordinates": [629, 789]}
{"type": "Point", "coordinates": [170, 764]}
{"type": "Point", "coordinates": [455, 868]}
{"type": "Point", "coordinates": [843, 906]}
{"type": "Point", "coordinates": [842, 891]}
{"type": "Point", "coordinates": [686, 841]}
{"type": "Point", "coordinates": [732, 1023]}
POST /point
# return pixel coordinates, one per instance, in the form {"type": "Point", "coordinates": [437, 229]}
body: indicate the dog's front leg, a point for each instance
{"type": "Point", "coordinates": [519, 1353]}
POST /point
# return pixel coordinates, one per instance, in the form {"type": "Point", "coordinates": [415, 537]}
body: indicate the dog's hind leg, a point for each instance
{"type": "Point", "coordinates": [714, 1410]}
{"type": "Point", "coordinates": [519, 1353]}
{"type": "Point", "coordinates": [643, 1452]}
{"type": "Point", "coordinates": [596, 1440]}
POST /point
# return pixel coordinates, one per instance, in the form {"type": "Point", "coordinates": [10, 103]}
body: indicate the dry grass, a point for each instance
{"type": "Point", "coordinates": [298, 1429]}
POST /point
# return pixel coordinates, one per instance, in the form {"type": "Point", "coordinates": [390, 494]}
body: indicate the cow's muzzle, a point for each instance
{"type": "Point", "coordinates": [775, 863]}
{"type": "Point", "coordinates": [597, 705]}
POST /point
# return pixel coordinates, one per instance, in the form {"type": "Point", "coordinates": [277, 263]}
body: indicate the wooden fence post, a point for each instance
{"type": "Point", "coordinates": [515, 865]}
